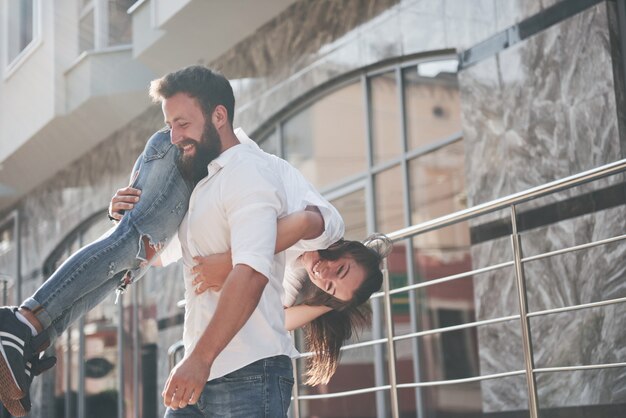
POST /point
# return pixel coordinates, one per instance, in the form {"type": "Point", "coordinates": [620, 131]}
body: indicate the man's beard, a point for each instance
{"type": "Point", "coordinates": [194, 167]}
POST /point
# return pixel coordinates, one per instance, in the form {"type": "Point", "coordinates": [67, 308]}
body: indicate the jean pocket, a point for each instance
{"type": "Point", "coordinates": [201, 403]}
{"type": "Point", "coordinates": [286, 387]}
{"type": "Point", "coordinates": [237, 396]}
{"type": "Point", "coordinates": [158, 146]}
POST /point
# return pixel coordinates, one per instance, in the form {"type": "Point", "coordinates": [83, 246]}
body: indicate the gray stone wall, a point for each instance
{"type": "Point", "coordinates": [541, 110]}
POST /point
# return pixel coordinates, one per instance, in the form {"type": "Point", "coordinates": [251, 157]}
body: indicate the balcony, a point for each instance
{"type": "Point", "coordinates": [169, 34]}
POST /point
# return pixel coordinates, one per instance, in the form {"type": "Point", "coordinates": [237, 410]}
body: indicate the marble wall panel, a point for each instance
{"type": "Point", "coordinates": [511, 12]}
{"type": "Point", "coordinates": [533, 101]}
{"type": "Point", "coordinates": [314, 42]}
{"type": "Point", "coordinates": [539, 111]}
{"type": "Point", "coordinates": [618, 51]}
{"type": "Point", "coordinates": [422, 26]}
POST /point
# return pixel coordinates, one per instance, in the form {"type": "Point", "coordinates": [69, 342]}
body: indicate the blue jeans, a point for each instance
{"type": "Point", "coordinates": [259, 390]}
{"type": "Point", "coordinates": [92, 273]}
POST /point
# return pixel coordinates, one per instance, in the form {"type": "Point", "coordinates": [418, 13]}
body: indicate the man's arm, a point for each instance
{"type": "Point", "coordinates": [244, 285]}
{"type": "Point", "coordinates": [251, 208]}
{"type": "Point", "coordinates": [211, 271]}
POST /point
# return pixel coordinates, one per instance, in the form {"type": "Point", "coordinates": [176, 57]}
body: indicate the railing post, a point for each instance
{"type": "Point", "coordinates": [296, 390]}
{"type": "Point", "coordinates": [172, 352]}
{"type": "Point", "coordinates": [391, 352]}
{"type": "Point", "coordinates": [529, 362]}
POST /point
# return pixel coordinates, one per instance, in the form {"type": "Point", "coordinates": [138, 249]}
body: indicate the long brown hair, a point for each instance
{"type": "Point", "coordinates": [325, 335]}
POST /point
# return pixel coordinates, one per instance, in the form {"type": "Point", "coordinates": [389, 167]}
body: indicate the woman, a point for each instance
{"type": "Point", "coordinates": [325, 290]}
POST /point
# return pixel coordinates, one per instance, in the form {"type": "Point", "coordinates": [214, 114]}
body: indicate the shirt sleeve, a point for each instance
{"type": "Point", "coordinates": [253, 199]}
{"type": "Point", "coordinates": [292, 283]}
{"type": "Point", "coordinates": [334, 227]}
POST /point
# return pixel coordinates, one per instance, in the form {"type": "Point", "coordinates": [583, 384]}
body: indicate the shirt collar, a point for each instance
{"type": "Point", "coordinates": [226, 156]}
{"type": "Point", "coordinates": [244, 139]}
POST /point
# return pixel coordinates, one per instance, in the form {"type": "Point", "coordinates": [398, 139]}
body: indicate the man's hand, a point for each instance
{"type": "Point", "coordinates": [211, 271]}
{"type": "Point", "coordinates": [186, 382]}
{"type": "Point", "coordinates": [123, 200]}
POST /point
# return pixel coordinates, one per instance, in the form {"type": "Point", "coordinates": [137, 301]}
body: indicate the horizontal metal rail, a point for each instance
{"type": "Point", "coordinates": [411, 385]}
{"type": "Point", "coordinates": [462, 381]}
{"type": "Point", "coordinates": [477, 324]}
{"type": "Point", "coordinates": [456, 327]}
{"type": "Point", "coordinates": [470, 213]}
{"type": "Point", "coordinates": [514, 199]}
{"type": "Point", "coordinates": [446, 279]}
{"type": "Point", "coordinates": [579, 368]}
{"type": "Point", "coordinates": [573, 248]}
{"type": "Point", "coordinates": [424, 333]}
{"type": "Point", "coordinates": [501, 265]}
{"type": "Point", "coordinates": [576, 307]}
{"type": "Point", "coordinates": [345, 393]}
{"type": "Point", "coordinates": [348, 347]}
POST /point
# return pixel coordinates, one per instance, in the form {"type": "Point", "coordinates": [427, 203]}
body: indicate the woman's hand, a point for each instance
{"type": "Point", "coordinates": [211, 271]}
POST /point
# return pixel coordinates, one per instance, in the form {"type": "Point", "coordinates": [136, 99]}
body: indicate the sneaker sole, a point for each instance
{"type": "Point", "coordinates": [15, 407]}
{"type": "Point", "coordinates": [9, 390]}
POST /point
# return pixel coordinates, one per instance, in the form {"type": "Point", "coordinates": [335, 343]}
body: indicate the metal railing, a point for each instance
{"type": "Point", "coordinates": [529, 371]}
{"type": "Point", "coordinates": [523, 317]}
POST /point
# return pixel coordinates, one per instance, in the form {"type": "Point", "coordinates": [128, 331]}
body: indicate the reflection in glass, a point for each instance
{"type": "Point", "coordinates": [8, 263]}
{"type": "Point", "coordinates": [385, 117]}
{"type": "Point", "coordinates": [326, 141]}
{"type": "Point", "coordinates": [464, 400]}
{"type": "Point", "coordinates": [431, 101]}
{"type": "Point", "coordinates": [120, 22]}
{"type": "Point", "coordinates": [389, 189]}
{"type": "Point", "coordinates": [20, 30]}
{"type": "Point", "coordinates": [86, 32]}
{"type": "Point", "coordinates": [437, 188]}
{"type": "Point", "coordinates": [269, 143]}
{"type": "Point", "coordinates": [101, 339]}
{"type": "Point", "coordinates": [353, 211]}
{"type": "Point", "coordinates": [355, 371]}
{"type": "Point", "coordinates": [101, 351]}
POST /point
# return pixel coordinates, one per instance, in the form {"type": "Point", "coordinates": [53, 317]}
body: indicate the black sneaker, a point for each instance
{"type": "Point", "coordinates": [17, 348]}
{"type": "Point", "coordinates": [21, 407]}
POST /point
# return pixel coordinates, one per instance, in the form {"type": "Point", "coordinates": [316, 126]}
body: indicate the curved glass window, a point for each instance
{"type": "Point", "coordinates": [386, 149]}
{"type": "Point", "coordinates": [326, 140]}
{"type": "Point", "coordinates": [432, 109]}
{"type": "Point", "coordinates": [385, 117]}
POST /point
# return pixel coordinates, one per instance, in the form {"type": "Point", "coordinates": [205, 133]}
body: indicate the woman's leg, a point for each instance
{"type": "Point", "coordinates": [90, 274]}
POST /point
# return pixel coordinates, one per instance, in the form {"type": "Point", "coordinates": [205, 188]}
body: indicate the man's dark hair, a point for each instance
{"type": "Point", "coordinates": [208, 87]}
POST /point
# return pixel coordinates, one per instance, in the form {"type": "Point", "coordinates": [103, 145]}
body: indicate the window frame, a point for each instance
{"type": "Point", "coordinates": [11, 65]}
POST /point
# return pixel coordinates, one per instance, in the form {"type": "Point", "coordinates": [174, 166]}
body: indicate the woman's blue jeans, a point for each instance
{"type": "Point", "coordinates": [91, 274]}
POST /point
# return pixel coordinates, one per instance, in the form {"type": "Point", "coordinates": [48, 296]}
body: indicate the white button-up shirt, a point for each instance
{"type": "Point", "coordinates": [235, 207]}
{"type": "Point", "coordinates": [300, 194]}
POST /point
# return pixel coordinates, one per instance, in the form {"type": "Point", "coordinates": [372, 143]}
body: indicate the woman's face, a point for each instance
{"type": "Point", "coordinates": [340, 278]}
